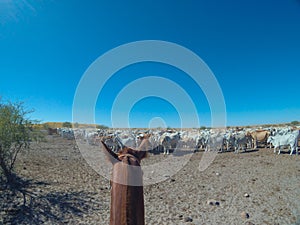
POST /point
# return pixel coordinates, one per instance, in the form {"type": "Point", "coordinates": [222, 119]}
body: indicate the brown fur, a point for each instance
{"type": "Point", "coordinates": [259, 136]}
{"type": "Point", "coordinates": [52, 131]}
{"type": "Point", "coordinates": [127, 197]}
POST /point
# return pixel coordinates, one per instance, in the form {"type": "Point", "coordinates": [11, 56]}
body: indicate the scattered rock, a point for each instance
{"type": "Point", "coordinates": [188, 219]}
{"type": "Point", "coordinates": [180, 217]}
{"type": "Point", "coordinates": [249, 223]}
{"type": "Point", "coordinates": [218, 174]}
{"type": "Point", "coordinates": [212, 202]}
{"type": "Point", "coordinates": [244, 215]}
{"type": "Point", "coordinates": [246, 195]}
{"type": "Point", "coordinates": [172, 180]}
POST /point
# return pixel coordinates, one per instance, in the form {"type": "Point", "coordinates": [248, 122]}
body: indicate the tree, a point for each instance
{"type": "Point", "coordinates": [46, 126]}
{"type": "Point", "coordinates": [295, 123]}
{"type": "Point", "coordinates": [67, 124]}
{"type": "Point", "coordinates": [15, 130]}
{"type": "Point", "coordinates": [101, 127]}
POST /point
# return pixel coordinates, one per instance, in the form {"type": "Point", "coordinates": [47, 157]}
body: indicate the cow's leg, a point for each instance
{"type": "Point", "coordinates": [220, 149]}
{"type": "Point", "coordinates": [292, 149]}
{"type": "Point", "coordinates": [239, 148]}
{"type": "Point", "coordinates": [275, 146]}
{"type": "Point", "coordinates": [279, 149]}
{"type": "Point", "coordinates": [236, 149]}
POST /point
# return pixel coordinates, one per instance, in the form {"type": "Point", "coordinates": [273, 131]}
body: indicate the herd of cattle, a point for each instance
{"type": "Point", "coordinates": [166, 141]}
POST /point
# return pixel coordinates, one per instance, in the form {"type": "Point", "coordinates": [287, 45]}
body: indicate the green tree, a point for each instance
{"type": "Point", "coordinates": [15, 131]}
{"type": "Point", "coordinates": [295, 123]}
{"type": "Point", "coordinates": [46, 126]}
{"type": "Point", "coordinates": [101, 126]}
{"type": "Point", "coordinates": [67, 124]}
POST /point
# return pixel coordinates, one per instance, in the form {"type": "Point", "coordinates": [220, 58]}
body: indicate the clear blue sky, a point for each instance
{"type": "Point", "coordinates": [252, 47]}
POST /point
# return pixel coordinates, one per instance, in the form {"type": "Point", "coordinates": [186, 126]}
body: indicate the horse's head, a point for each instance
{"type": "Point", "coordinates": [137, 154]}
{"type": "Point", "coordinates": [126, 165]}
{"type": "Point", "coordinates": [133, 157]}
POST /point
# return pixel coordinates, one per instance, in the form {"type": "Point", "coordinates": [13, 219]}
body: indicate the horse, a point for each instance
{"type": "Point", "coordinates": [127, 195]}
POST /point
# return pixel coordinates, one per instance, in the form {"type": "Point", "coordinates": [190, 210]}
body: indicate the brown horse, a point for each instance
{"type": "Point", "coordinates": [127, 197]}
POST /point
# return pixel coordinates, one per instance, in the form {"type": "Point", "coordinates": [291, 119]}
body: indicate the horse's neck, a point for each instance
{"type": "Point", "coordinates": [127, 205]}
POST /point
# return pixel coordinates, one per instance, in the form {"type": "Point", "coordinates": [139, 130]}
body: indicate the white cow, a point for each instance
{"type": "Point", "coordinates": [241, 140]}
{"type": "Point", "coordinates": [215, 142]}
{"type": "Point", "coordinates": [168, 141]}
{"type": "Point", "coordinates": [112, 143]}
{"type": "Point", "coordinates": [229, 140]}
{"type": "Point", "coordinates": [128, 140]}
{"type": "Point", "coordinates": [289, 139]}
{"type": "Point", "coordinates": [189, 140]}
{"type": "Point", "coordinates": [203, 139]}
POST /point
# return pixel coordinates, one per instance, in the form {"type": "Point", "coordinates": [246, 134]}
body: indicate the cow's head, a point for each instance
{"type": "Point", "coordinates": [270, 138]}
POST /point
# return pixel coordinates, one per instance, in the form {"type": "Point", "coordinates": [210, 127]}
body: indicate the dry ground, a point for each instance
{"type": "Point", "coordinates": [64, 189]}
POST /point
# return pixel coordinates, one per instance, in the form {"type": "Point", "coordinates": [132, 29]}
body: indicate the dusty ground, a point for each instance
{"type": "Point", "coordinates": [65, 190]}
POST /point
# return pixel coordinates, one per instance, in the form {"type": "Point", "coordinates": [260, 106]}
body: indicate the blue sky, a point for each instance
{"type": "Point", "coordinates": [252, 47]}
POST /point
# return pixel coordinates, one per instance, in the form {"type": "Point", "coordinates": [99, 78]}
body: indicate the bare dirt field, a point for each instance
{"type": "Point", "coordinates": [256, 187]}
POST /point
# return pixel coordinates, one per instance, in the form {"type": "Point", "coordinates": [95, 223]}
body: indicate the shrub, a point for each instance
{"type": "Point", "coordinates": [67, 124]}
{"type": "Point", "coordinates": [15, 130]}
{"type": "Point", "coordinates": [101, 127]}
{"type": "Point", "coordinates": [295, 123]}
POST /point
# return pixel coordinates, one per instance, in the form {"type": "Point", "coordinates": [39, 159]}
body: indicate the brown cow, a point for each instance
{"type": "Point", "coordinates": [259, 136]}
{"type": "Point", "coordinates": [127, 197]}
{"type": "Point", "coordinates": [52, 131]}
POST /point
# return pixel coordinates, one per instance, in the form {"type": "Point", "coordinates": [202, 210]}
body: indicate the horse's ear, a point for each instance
{"type": "Point", "coordinates": [142, 149]}
{"type": "Point", "coordinates": [110, 155]}
{"type": "Point", "coordinates": [141, 154]}
{"type": "Point", "coordinates": [144, 145]}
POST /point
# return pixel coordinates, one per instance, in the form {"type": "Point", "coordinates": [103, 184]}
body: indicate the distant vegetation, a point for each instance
{"type": "Point", "coordinates": [47, 125]}
{"type": "Point", "coordinates": [67, 124]}
{"type": "Point", "coordinates": [295, 123]}
{"type": "Point", "coordinates": [101, 127]}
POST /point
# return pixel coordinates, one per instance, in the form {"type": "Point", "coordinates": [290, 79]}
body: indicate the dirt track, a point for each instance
{"type": "Point", "coordinates": [64, 189]}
